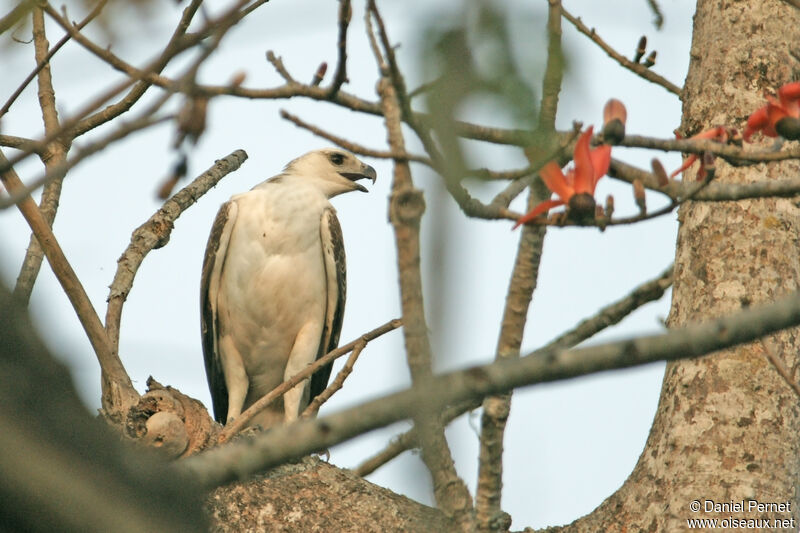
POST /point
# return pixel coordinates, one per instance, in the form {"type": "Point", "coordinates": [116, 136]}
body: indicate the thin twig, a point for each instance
{"type": "Point", "coordinates": [409, 439]}
{"type": "Point", "coordinates": [351, 146]}
{"type": "Point", "coordinates": [399, 444]}
{"type": "Point", "coordinates": [22, 143]}
{"type": "Point", "coordinates": [243, 419]}
{"type": "Point", "coordinates": [81, 121]}
{"type": "Point", "coordinates": [480, 173]}
{"type": "Point", "coordinates": [340, 76]}
{"type": "Point", "coordinates": [690, 192]}
{"type": "Point", "coordinates": [337, 383]}
{"type": "Point", "coordinates": [16, 14]}
{"type": "Point", "coordinates": [277, 64]}
{"type": "Point", "coordinates": [145, 121]}
{"type": "Point", "coordinates": [658, 16]}
{"type": "Point", "coordinates": [139, 88]}
{"type": "Point", "coordinates": [611, 314]}
{"type": "Point", "coordinates": [636, 68]}
{"type": "Point", "coordinates": [46, 59]}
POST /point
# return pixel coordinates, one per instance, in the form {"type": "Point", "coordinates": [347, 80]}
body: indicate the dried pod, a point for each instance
{"type": "Point", "coordinates": [660, 172]}
{"type": "Point", "coordinates": [319, 74]}
{"type": "Point", "coordinates": [614, 117]}
{"type": "Point", "coordinates": [639, 196]}
{"type": "Point", "coordinates": [641, 48]}
{"type": "Point", "coordinates": [651, 59]}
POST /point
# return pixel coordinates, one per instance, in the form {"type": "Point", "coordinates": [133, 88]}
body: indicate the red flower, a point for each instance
{"type": "Point", "coordinates": [576, 189]}
{"type": "Point", "coordinates": [778, 117]}
{"type": "Point", "coordinates": [720, 134]}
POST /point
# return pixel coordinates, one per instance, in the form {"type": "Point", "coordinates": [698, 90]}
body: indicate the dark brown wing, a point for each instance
{"type": "Point", "coordinates": [336, 273]}
{"type": "Point", "coordinates": [214, 260]}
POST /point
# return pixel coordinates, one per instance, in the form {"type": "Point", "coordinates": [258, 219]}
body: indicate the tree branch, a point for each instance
{"type": "Point", "coordinates": [75, 125]}
{"type": "Point", "coordinates": [56, 154]}
{"type": "Point", "coordinates": [46, 59]}
{"type": "Point", "coordinates": [351, 146]}
{"type": "Point", "coordinates": [241, 459]}
{"type": "Point", "coordinates": [608, 316]}
{"type": "Point", "coordinates": [173, 48]}
{"type": "Point", "coordinates": [735, 155]}
{"type": "Point", "coordinates": [714, 192]}
{"type": "Point", "coordinates": [406, 207]}
{"type": "Point", "coordinates": [636, 68]}
{"type": "Point", "coordinates": [340, 76]}
{"type": "Point", "coordinates": [118, 391]}
{"type": "Point", "coordinates": [496, 409]}
{"type": "Point", "coordinates": [15, 15]}
{"type": "Point", "coordinates": [58, 170]}
{"type": "Point", "coordinates": [155, 233]}
{"type": "Point", "coordinates": [338, 383]}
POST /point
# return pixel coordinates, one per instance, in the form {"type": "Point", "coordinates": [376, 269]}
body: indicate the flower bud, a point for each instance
{"type": "Point", "coordinates": [641, 48]}
{"type": "Point", "coordinates": [639, 196]}
{"type": "Point", "coordinates": [614, 117]}
{"type": "Point", "coordinates": [660, 172]}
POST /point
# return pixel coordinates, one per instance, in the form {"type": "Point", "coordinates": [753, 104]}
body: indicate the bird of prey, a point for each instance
{"type": "Point", "coordinates": [273, 286]}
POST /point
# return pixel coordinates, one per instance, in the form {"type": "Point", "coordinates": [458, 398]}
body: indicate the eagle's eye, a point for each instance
{"type": "Point", "coordinates": [337, 159]}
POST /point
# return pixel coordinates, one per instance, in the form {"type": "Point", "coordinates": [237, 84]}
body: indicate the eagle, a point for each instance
{"type": "Point", "coordinates": [273, 286]}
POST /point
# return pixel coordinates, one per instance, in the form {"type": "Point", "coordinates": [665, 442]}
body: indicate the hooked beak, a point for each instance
{"type": "Point", "coordinates": [367, 172]}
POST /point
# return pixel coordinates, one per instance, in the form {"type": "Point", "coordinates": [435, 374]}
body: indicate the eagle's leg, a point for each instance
{"type": "Point", "coordinates": [235, 377]}
{"type": "Point", "coordinates": [304, 352]}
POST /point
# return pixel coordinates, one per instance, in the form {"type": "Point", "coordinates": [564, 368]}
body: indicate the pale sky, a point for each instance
{"type": "Point", "coordinates": [569, 445]}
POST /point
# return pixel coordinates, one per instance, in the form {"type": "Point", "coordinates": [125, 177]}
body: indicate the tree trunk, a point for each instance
{"type": "Point", "coordinates": [727, 427]}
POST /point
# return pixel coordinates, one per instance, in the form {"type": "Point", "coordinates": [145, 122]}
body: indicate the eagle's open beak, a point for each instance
{"type": "Point", "coordinates": [367, 172]}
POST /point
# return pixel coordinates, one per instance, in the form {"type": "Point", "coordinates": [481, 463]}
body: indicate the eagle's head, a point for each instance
{"type": "Point", "coordinates": [335, 171]}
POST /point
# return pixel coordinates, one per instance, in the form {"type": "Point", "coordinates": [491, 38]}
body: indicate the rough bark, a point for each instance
{"type": "Point", "coordinates": [312, 495]}
{"type": "Point", "coordinates": [727, 427]}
